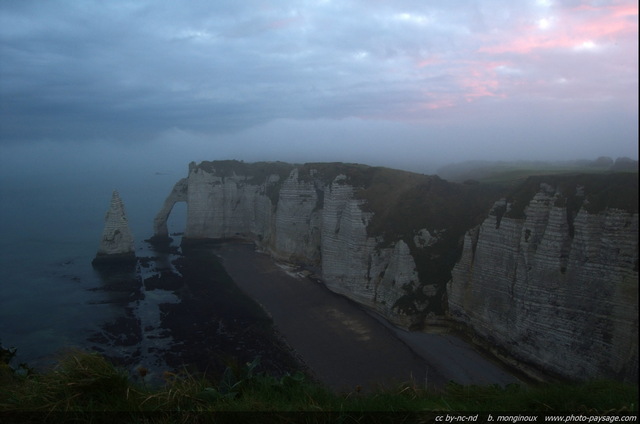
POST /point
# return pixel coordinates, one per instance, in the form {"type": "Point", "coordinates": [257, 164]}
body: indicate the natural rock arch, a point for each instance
{"type": "Point", "coordinates": [178, 194]}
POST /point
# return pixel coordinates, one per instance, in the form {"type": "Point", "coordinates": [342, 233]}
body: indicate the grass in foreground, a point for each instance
{"type": "Point", "coordinates": [83, 383]}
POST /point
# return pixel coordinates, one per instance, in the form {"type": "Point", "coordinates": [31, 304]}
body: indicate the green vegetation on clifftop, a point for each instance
{"type": "Point", "coordinates": [594, 192]}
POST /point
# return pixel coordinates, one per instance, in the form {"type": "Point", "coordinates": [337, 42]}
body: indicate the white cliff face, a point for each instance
{"type": "Point", "coordinates": [222, 207]}
{"type": "Point", "coordinates": [393, 279]}
{"type": "Point", "coordinates": [297, 221]}
{"type": "Point", "coordinates": [555, 293]}
{"type": "Point", "coordinates": [345, 246]}
{"type": "Point", "coordinates": [116, 239]}
{"type": "Point", "coordinates": [352, 262]}
{"type": "Point", "coordinates": [310, 222]}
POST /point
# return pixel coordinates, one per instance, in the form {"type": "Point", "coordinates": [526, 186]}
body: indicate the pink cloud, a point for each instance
{"type": "Point", "coordinates": [438, 102]}
{"type": "Point", "coordinates": [543, 72]}
{"type": "Point", "coordinates": [574, 26]}
{"type": "Point", "coordinates": [428, 62]}
{"type": "Point", "coordinates": [471, 81]}
{"type": "Point", "coordinates": [528, 43]}
{"type": "Point", "coordinates": [626, 10]}
{"type": "Point", "coordinates": [480, 80]}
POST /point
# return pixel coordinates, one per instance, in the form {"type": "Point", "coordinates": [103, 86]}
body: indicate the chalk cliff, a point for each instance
{"type": "Point", "coordinates": [550, 278]}
{"type": "Point", "coordinates": [116, 243]}
{"type": "Point", "coordinates": [347, 221]}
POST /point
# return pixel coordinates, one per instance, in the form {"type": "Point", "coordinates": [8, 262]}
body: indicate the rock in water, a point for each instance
{"type": "Point", "coordinates": [116, 244]}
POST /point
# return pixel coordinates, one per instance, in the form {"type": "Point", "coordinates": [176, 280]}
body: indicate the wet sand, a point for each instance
{"type": "Point", "coordinates": [344, 345]}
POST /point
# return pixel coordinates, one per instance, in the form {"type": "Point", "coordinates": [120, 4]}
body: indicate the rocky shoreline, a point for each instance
{"type": "Point", "coordinates": [205, 325]}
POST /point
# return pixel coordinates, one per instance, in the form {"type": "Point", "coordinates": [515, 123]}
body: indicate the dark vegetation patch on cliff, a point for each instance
{"type": "Point", "coordinates": [594, 192]}
{"type": "Point", "coordinates": [404, 202]}
{"type": "Point", "coordinates": [325, 172]}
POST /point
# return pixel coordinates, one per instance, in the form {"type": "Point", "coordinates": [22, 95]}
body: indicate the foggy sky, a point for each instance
{"type": "Point", "coordinates": [397, 83]}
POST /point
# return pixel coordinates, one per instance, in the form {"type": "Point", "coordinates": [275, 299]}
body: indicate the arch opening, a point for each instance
{"type": "Point", "coordinates": [177, 219]}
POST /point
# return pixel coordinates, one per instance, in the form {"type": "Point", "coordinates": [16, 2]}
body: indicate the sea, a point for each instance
{"type": "Point", "coordinates": [51, 298]}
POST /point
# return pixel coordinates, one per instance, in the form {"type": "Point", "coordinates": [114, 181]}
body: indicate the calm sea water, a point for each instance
{"type": "Point", "coordinates": [50, 226]}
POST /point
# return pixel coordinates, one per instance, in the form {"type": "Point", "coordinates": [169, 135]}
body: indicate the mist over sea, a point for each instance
{"type": "Point", "coordinates": [51, 223]}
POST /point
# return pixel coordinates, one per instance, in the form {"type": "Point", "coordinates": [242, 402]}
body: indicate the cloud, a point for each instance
{"type": "Point", "coordinates": [133, 71]}
{"type": "Point", "coordinates": [566, 28]}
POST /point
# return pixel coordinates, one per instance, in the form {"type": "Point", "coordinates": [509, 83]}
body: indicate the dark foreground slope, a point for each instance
{"type": "Point", "coordinates": [86, 388]}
